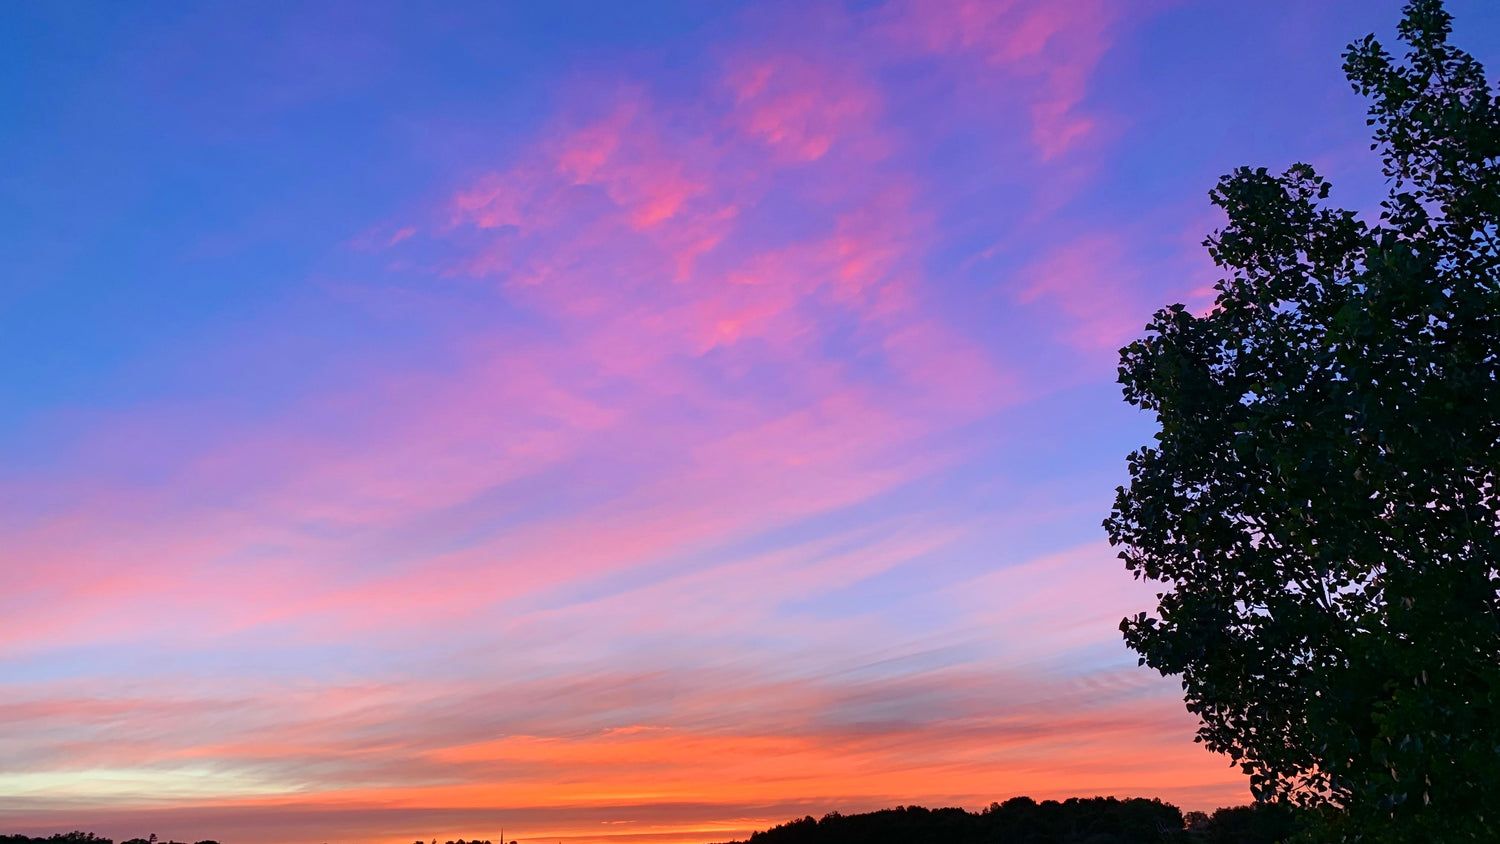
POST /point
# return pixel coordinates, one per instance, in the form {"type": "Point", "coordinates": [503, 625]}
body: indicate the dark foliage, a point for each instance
{"type": "Point", "coordinates": [1322, 502]}
{"type": "Point", "coordinates": [1021, 820]}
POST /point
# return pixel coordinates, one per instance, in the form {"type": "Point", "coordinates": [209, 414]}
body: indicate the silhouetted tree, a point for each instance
{"type": "Point", "coordinates": [1321, 500]}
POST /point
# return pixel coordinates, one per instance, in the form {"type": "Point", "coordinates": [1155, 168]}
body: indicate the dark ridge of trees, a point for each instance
{"type": "Point", "coordinates": [1021, 820]}
{"type": "Point", "coordinates": [74, 837]}
{"type": "Point", "coordinates": [77, 837]}
{"type": "Point", "coordinates": [1243, 825]}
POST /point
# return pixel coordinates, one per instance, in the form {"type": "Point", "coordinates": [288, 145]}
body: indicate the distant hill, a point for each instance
{"type": "Point", "coordinates": [1021, 820]}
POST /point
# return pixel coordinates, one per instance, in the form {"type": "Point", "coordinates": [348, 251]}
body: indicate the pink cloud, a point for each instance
{"type": "Point", "coordinates": [624, 239]}
{"type": "Point", "coordinates": [1054, 45]}
{"type": "Point", "coordinates": [1092, 281]}
{"type": "Point", "coordinates": [801, 108]}
{"type": "Point", "coordinates": [622, 155]}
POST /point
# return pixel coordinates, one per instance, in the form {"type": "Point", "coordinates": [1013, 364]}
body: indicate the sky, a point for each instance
{"type": "Point", "coordinates": [603, 421]}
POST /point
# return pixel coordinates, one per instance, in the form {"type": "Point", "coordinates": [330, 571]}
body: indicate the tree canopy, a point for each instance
{"type": "Point", "coordinates": [1320, 502]}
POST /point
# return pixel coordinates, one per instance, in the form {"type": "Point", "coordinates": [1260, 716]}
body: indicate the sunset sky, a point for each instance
{"type": "Point", "coordinates": [610, 421]}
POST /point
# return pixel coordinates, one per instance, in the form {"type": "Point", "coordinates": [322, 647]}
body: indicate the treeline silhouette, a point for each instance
{"type": "Point", "coordinates": [1021, 820]}
{"type": "Point", "coordinates": [76, 837]}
